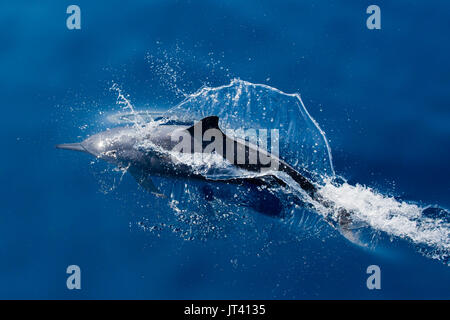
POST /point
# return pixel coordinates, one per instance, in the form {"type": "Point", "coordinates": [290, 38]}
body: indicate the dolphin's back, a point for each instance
{"type": "Point", "coordinates": [249, 152]}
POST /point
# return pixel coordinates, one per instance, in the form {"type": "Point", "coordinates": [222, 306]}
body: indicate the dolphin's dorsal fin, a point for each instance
{"type": "Point", "coordinates": [207, 123]}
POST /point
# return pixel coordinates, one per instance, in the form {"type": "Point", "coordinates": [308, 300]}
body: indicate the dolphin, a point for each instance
{"type": "Point", "coordinates": [122, 146]}
{"type": "Point", "coordinates": [128, 148]}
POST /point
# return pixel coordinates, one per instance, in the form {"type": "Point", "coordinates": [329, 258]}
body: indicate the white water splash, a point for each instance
{"type": "Point", "coordinates": [396, 218]}
{"type": "Point", "coordinates": [241, 105]}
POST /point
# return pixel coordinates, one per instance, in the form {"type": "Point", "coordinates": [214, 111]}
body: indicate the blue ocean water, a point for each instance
{"type": "Point", "coordinates": [380, 96]}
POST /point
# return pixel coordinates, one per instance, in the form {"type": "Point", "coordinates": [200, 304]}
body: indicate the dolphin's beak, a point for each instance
{"type": "Point", "coordinates": [71, 146]}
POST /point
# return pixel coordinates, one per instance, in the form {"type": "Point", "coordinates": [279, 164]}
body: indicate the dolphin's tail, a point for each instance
{"type": "Point", "coordinates": [304, 183]}
{"type": "Point", "coordinates": [71, 146]}
{"type": "Point", "coordinates": [344, 223]}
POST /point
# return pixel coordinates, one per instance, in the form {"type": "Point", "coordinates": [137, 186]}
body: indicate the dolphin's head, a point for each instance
{"type": "Point", "coordinates": [112, 145]}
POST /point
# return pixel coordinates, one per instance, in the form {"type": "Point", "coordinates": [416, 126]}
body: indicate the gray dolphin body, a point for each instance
{"type": "Point", "coordinates": [125, 147]}
{"type": "Point", "coordinates": [149, 152]}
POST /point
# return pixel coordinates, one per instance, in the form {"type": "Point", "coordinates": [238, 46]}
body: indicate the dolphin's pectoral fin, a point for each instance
{"type": "Point", "coordinates": [148, 185]}
{"type": "Point", "coordinates": [145, 181]}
